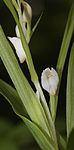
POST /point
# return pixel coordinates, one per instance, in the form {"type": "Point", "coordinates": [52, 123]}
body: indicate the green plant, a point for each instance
{"type": "Point", "coordinates": [29, 105]}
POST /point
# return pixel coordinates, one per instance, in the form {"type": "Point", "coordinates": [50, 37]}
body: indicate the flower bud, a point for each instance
{"type": "Point", "coordinates": [27, 12]}
{"type": "Point", "coordinates": [27, 17]}
{"type": "Point", "coordinates": [50, 80]}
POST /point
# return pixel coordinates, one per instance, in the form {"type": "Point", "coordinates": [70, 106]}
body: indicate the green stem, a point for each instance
{"type": "Point", "coordinates": [50, 124]}
{"type": "Point", "coordinates": [53, 106]}
{"type": "Point", "coordinates": [15, 4]}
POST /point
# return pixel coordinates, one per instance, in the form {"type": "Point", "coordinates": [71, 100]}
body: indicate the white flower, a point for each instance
{"type": "Point", "coordinates": [18, 47]}
{"type": "Point", "coordinates": [50, 80]}
{"type": "Point", "coordinates": [16, 41]}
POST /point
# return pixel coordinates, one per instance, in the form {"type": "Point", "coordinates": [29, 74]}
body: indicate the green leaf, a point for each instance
{"type": "Point", "coordinates": [35, 26]}
{"type": "Point", "coordinates": [70, 94]}
{"type": "Point", "coordinates": [27, 95]}
{"type": "Point", "coordinates": [61, 142]}
{"type": "Point", "coordinates": [41, 136]}
{"type": "Point", "coordinates": [12, 97]}
{"type": "Point", "coordinates": [70, 144]}
{"type": "Point", "coordinates": [66, 41]}
{"type": "Point", "coordinates": [64, 50]}
{"type": "Point", "coordinates": [44, 141]}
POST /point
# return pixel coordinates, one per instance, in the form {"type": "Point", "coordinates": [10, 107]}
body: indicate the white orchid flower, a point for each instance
{"type": "Point", "coordinates": [16, 41]}
{"type": "Point", "coordinates": [18, 47]}
{"type": "Point", "coordinates": [50, 80]}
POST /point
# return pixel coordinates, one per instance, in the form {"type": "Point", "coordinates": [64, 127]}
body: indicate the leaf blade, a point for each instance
{"type": "Point", "coordinates": [41, 136]}
{"type": "Point", "coordinates": [70, 144]}
{"type": "Point", "coordinates": [70, 94]}
{"type": "Point", "coordinates": [36, 24]}
{"type": "Point", "coordinates": [66, 41]}
{"type": "Point", "coordinates": [12, 97]}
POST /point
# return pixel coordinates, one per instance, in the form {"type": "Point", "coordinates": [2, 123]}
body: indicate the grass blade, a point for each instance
{"type": "Point", "coordinates": [44, 141]}
{"type": "Point", "coordinates": [63, 52]}
{"type": "Point", "coordinates": [70, 94]}
{"type": "Point", "coordinates": [35, 26]}
{"type": "Point", "coordinates": [12, 97]}
{"type": "Point", "coordinates": [66, 41]}
{"type": "Point", "coordinates": [70, 144]}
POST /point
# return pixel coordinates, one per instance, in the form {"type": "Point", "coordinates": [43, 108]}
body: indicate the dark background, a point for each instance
{"type": "Point", "coordinates": [45, 45]}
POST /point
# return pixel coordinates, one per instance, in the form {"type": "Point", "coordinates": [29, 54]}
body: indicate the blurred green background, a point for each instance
{"type": "Point", "coordinates": [44, 45]}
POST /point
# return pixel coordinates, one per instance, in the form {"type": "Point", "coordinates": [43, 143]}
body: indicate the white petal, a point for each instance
{"type": "Point", "coordinates": [44, 79]}
{"type": "Point", "coordinates": [17, 31]}
{"type": "Point", "coordinates": [49, 80]}
{"type": "Point", "coordinates": [19, 49]}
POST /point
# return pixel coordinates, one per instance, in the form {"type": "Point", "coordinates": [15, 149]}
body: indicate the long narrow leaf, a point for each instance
{"type": "Point", "coordinates": [70, 94]}
{"type": "Point", "coordinates": [66, 41]}
{"type": "Point", "coordinates": [35, 26]}
{"type": "Point", "coordinates": [41, 136]}
{"type": "Point", "coordinates": [12, 97]}
{"type": "Point", "coordinates": [70, 144]}
{"type": "Point", "coordinates": [45, 142]}
{"type": "Point", "coordinates": [63, 51]}
{"type": "Point", "coordinates": [61, 142]}
{"type": "Point", "coordinates": [28, 97]}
